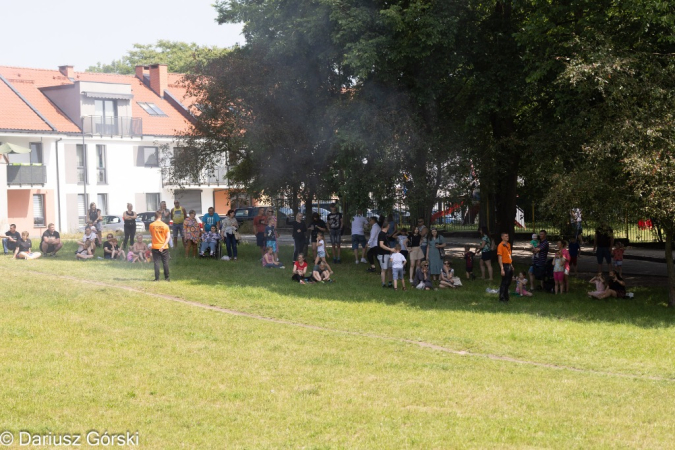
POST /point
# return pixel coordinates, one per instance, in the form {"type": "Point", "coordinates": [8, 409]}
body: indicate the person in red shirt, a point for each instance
{"type": "Point", "coordinates": [300, 269]}
{"type": "Point", "coordinates": [506, 266]}
{"type": "Point", "coordinates": [259, 224]}
{"type": "Point", "coordinates": [160, 234]}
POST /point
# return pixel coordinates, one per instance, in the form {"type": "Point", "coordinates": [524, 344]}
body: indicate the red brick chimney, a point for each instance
{"type": "Point", "coordinates": [67, 71]}
{"type": "Point", "coordinates": [159, 79]}
{"type": "Point", "coordinates": [140, 71]}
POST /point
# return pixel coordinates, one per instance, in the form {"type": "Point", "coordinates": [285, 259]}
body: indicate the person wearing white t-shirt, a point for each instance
{"type": "Point", "coordinates": [359, 236]}
{"type": "Point", "coordinates": [397, 261]}
{"type": "Point", "coordinates": [372, 243]}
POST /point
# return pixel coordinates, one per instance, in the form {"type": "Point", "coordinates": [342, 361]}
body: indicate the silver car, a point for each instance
{"type": "Point", "coordinates": [115, 224]}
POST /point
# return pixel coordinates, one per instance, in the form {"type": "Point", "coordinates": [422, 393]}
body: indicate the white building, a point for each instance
{"type": "Point", "coordinates": [94, 138]}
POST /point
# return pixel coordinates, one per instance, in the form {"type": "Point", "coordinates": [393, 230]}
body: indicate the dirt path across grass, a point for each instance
{"type": "Point", "coordinates": [422, 344]}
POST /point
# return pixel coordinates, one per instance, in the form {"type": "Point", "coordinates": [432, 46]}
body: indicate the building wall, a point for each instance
{"type": "Point", "coordinates": [20, 209]}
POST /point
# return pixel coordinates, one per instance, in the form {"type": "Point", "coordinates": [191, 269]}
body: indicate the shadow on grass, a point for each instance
{"type": "Point", "coordinates": [353, 284]}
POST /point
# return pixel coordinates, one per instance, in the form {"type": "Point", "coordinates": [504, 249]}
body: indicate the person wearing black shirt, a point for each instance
{"type": "Point", "coordinates": [51, 241]}
{"type": "Point", "coordinates": [129, 217]}
{"type": "Point", "coordinates": [9, 243]}
{"type": "Point", "coordinates": [603, 244]}
{"type": "Point", "coordinates": [299, 236]}
{"type": "Point", "coordinates": [335, 224]}
{"type": "Point", "coordinates": [383, 254]}
{"type": "Point", "coordinates": [616, 287]}
{"type": "Point", "coordinates": [24, 247]}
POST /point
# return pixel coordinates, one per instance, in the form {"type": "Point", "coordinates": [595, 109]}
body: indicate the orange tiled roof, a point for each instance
{"type": "Point", "coordinates": [29, 81]}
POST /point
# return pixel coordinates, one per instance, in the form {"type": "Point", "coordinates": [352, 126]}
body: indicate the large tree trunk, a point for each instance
{"type": "Point", "coordinates": [506, 183]}
{"type": "Point", "coordinates": [670, 265]}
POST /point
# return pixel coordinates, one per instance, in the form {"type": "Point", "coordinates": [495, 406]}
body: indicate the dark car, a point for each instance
{"type": "Point", "coordinates": [147, 218]}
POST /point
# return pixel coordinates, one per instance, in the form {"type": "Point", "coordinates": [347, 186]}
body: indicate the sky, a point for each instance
{"type": "Point", "coordinates": [47, 34]}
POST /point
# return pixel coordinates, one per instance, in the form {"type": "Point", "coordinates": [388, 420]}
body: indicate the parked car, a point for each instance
{"type": "Point", "coordinates": [147, 218]}
{"type": "Point", "coordinates": [115, 224]}
{"type": "Point", "coordinates": [249, 212]}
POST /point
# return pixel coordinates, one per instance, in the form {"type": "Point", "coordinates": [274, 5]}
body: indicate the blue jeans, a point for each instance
{"type": "Point", "coordinates": [4, 245]}
{"type": "Point", "coordinates": [205, 245]}
{"type": "Point", "coordinates": [231, 243]}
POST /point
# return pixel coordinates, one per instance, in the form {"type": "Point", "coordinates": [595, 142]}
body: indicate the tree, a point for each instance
{"type": "Point", "coordinates": [180, 57]}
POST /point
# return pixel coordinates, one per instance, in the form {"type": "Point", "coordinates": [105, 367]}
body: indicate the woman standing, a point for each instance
{"type": "Point", "coordinates": [95, 219]}
{"type": "Point", "coordinates": [485, 253]}
{"type": "Point", "coordinates": [24, 248]}
{"type": "Point", "coordinates": [230, 225]}
{"type": "Point", "coordinates": [435, 251]}
{"type": "Point", "coordinates": [299, 236]}
{"type": "Point", "coordinates": [192, 233]}
{"type": "Point", "coordinates": [129, 218]}
{"type": "Point", "coordinates": [416, 255]}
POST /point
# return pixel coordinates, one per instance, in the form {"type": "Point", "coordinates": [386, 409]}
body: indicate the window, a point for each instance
{"type": "Point", "coordinates": [151, 109]}
{"type": "Point", "coordinates": [36, 153]}
{"type": "Point", "coordinates": [102, 203]}
{"type": "Point", "coordinates": [105, 108]}
{"type": "Point", "coordinates": [81, 163]}
{"type": "Point", "coordinates": [150, 156]}
{"type": "Point", "coordinates": [100, 165]}
{"type": "Point", "coordinates": [39, 210]}
{"type": "Point", "coordinates": [152, 202]}
{"type": "Point", "coordinates": [82, 206]}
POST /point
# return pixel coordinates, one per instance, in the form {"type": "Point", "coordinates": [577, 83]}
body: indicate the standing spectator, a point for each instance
{"type": "Point", "coordinates": [383, 254]}
{"type": "Point", "coordinates": [506, 267]}
{"type": "Point", "coordinates": [299, 236]}
{"type": "Point", "coordinates": [24, 248]}
{"type": "Point", "coordinates": [538, 269]}
{"type": "Point", "coordinates": [604, 241]}
{"type": "Point", "coordinates": [397, 261]}
{"type": "Point", "coordinates": [230, 226]}
{"type": "Point", "coordinates": [178, 215]}
{"type": "Point", "coordinates": [372, 243]}
{"type": "Point", "coordinates": [259, 224]}
{"type": "Point", "coordinates": [192, 234]}
{"type": "Point", "coordinates": [424, 233]}
{"type": "Point", "coordinates": [617, 257]}
{"type": "Point", "coordinates": [129, 217]}
{"type": "Point", "coordinates": [468, 259]}
{"type": "Point", "coordinates": [211, 220]}
{"type": "Point", "coordinates": [393, 230]}
{"type": "Point", "coordinates": [335, 225]}
{"type": "Point", "coordinates": [9, 243]}
{"type": "Point", "coordinates": [95, 220]}
{"type": "Point", "coordinates": [562, 245]}
{"type": "Point", "coordinates": [51, 241]}
{"type": "Point", "coordinates": [579, 226]}
{"type": "Point", "coordinates": [435, 252]}
{"type": "Point", "coordinates": [402, 240]}
{"type": "Point", "coordinates": [316, 226]}
{"type": "Point", "coordinates": [574, 249]}
{"type": "Point", "coordinates": [559, 272]}
{"type": "Point", "coordinates": [271, 237]}
{"type": "Point", "coordinates": [485, 253]}
{"type": "Point", "coordinates": [166, 218]}
{"type": "Point", "coordinates": [359, 236]}
{"type": "Point", "coordinates": [416, 255]}
{"type": "Point", "coordinates": [161, 235]}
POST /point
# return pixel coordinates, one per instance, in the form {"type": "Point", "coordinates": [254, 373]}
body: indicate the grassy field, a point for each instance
{"type": "Point", "coordinates": [95, 346]}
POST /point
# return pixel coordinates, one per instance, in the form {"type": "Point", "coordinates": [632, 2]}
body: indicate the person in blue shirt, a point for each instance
{"type": "Point", "coordinates": [211, 219]}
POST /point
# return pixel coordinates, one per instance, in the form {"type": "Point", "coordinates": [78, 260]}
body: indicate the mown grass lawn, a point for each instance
{"type": "Point", "coordinates": [78, 356]}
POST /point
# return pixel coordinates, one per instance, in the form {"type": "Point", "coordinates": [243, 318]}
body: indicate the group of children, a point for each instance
{"type": "Point", "coordinates": [138, 252]}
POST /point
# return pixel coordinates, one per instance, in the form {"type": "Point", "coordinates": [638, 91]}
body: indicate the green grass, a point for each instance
{"type": "Point", "coordinates": [79, 356]}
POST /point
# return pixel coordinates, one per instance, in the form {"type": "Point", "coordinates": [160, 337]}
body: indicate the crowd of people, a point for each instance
{"type": "Point", "coordinates": [416, 255]}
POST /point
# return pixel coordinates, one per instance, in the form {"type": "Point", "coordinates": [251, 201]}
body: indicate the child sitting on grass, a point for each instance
{"type": "Point", "coordinates": [269, 262]}
{"type": "Point", "coordinates": [398, 261]}
{"type": "Point", "coordinates": [300, 269]}
{"type": "Point", "coordinates": [521, 284]}
{"type": "Point", "coordinates": [87, 250]}
{"type": "Point", "coordinates": [468, 259]}
{"type": "Point", "coordinates": [600, 285]}
{"type": "Point", "coordinates": [138, 251]}
{"type": "Point", "coordinates": [322, 272]}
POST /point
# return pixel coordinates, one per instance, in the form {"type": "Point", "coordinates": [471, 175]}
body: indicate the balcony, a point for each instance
{"type": "Point", "coordinates": [112, 126]}
{"type": "Point", "coordinates": [217, 178]}
{"type": "Point", "coordinates": [26, 174]}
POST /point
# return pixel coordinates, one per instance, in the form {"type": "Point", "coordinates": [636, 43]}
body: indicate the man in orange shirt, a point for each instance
{"type": "Point", "coordinates": [506, 266]}
{"type": "Point", "coordinates": [160, 234]}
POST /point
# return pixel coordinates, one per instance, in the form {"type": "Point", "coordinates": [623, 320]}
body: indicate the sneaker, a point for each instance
{"type": "Point", "coordinates": [371, 269]}
{"type": "Point", "coordinates": [384, 286]}
{"type": "Point", "coordinates": [282, 267]}
{"type": "Point", "coordinates": [339, 261]}
{"type": "Point", "coordinates": [411, 281]}
{"type": "Point", "coordinates": [334, 260]}
{"type": "Point", "coordinates": [355, 262]}
{"type": "Point", "coordinates": [302, 282]}
{"type": "Point", "coordinates": [364, 260]}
